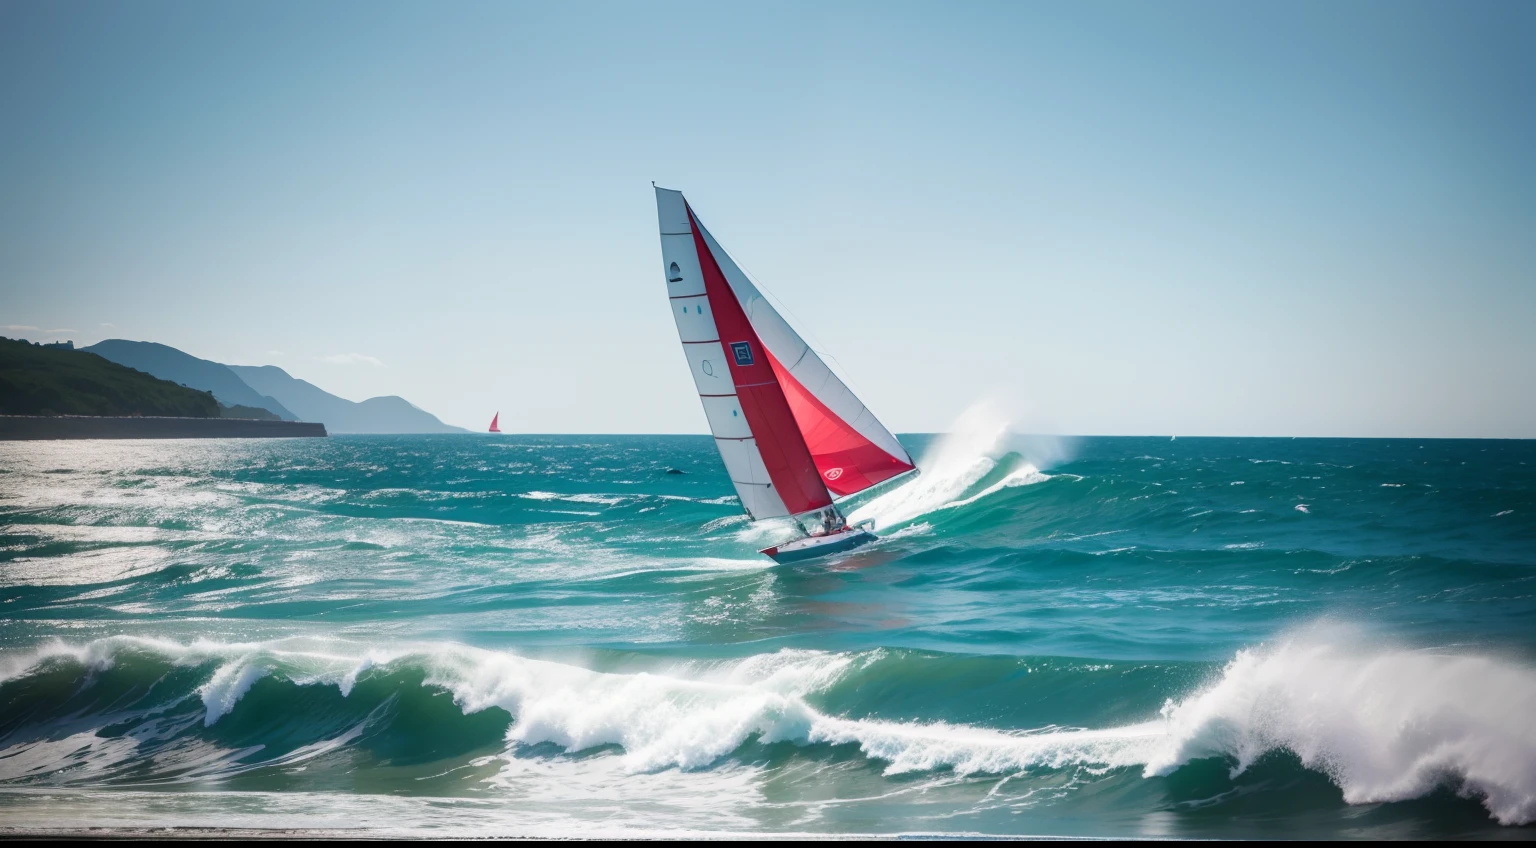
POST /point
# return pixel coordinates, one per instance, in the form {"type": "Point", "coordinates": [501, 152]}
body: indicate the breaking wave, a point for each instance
{"type": "Point", "coordinates": [1384, 724]}
{"type": "Point", "coordinates": [961, 467]}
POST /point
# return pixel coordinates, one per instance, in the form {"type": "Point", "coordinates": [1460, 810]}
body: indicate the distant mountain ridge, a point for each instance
{"type": "Point", "coordinates": [270, 387]}
{"type": "Point", "coordinates": [39, 380]}
{"type": "Point", "coordinates": [168, 363]}
{"type": "Point", "coordinates": [388, 414]}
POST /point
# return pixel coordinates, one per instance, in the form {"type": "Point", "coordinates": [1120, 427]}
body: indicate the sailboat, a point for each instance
{"type": "Point", "coordinates": [793, 437]}
{"type": "Point", "coordinates": [494, 419]}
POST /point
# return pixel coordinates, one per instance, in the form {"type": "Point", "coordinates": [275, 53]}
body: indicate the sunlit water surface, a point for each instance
{"type": "Point", "coordinates": [553, 635]}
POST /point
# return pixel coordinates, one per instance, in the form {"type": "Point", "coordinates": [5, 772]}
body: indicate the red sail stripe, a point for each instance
{"type": "Point", "coordinates": [847, 461]}
{"type": "Point", "coordinates": [785, 456]}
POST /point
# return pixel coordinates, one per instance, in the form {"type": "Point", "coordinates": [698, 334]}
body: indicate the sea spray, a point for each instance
{"type": "Point", "coordinates": [958, 460]}
{"type": "Point", "coordinates": [1385, 724]}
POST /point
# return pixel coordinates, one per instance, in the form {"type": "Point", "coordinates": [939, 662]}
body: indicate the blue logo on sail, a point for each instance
{"type": "Point", "coordinates": [743, 353]}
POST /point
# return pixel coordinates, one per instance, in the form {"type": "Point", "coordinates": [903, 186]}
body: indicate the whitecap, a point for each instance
{"type": "Point", "coordinates": [953, 465]}
{"type": "Point", "coordinates": [1384, 723]}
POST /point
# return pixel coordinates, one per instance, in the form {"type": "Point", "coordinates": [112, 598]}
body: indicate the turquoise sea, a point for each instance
{"type": "Point", "coordinates": [552, 635]}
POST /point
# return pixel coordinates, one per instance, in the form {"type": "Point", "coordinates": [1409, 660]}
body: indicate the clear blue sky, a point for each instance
{"type": "Point", "coordinates": [1284, 218]}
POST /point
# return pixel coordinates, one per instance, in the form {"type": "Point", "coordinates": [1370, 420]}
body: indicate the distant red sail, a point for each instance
{"type": "Point", "coordinates": [494, 419]}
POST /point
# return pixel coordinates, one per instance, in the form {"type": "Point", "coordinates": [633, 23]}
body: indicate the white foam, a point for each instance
{"type": "Point", "coordinates": [955, 463]}
{"type": "Point", "coordinates": [913, 746]}
{"type": "Point", "coordinates": [582, 498]}
{"type": "Point", "coordinates": [1385, 724]}
{"type": "Point", "coordinates": [101, 565]}
{"type": "Point", "coordinates": [1026, 475]}
{"type": "Point", "coordinates": [763, 531]}
{"type": "Point", "coordinates": [921, 528]}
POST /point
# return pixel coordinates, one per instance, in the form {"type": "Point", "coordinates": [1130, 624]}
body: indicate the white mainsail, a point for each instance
{"type": "Point", "coordinates": [707, 363]}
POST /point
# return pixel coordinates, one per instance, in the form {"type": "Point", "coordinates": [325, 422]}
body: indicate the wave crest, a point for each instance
{"type": "Point", "coordinates": [959, 469]}
{"type": "Point", "coordinates": [1384, 724]}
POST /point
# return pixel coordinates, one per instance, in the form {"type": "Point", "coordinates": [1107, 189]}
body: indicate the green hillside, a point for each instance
{"type": "Point", "coordinates": [38, 380]}
{"type": "Point", "coordinates": [239, 411]}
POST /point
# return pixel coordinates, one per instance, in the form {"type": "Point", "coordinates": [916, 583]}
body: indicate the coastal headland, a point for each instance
{"type": "Point", "coordinates": [40, 427]}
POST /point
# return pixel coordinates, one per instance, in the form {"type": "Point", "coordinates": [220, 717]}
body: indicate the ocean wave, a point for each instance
{"type": "Point", "coordinates": [582, 498]}
{"type": "Point", "coordinates": [960, 469]}
{"type": "Point", "coordinates": [1384, 724]}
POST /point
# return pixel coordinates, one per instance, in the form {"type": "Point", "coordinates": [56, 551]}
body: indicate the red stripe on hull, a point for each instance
{"type": "Point", "coordinates": [794, 474]}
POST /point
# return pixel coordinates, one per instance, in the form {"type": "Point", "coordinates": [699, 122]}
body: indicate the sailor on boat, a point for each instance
{"type": "Point", "coordinates": [822, 522]}
{"type": "Point", "coordinates": [793, 436]}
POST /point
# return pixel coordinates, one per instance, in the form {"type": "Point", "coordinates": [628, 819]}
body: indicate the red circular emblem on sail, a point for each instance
{"type": "Point", "coordinates": [833, 473]}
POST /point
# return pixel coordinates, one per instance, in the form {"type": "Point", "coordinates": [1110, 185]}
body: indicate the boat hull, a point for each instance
{"type": "Point", "coordinates": [819, 546]}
